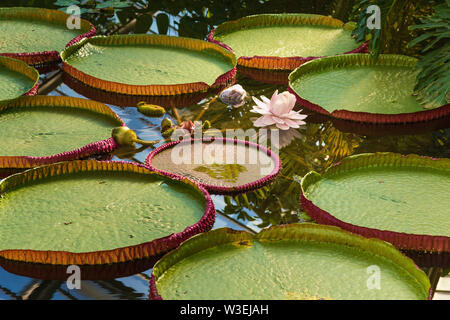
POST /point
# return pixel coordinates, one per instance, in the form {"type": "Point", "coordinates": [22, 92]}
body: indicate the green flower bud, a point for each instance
{"type": "Point", "coordinates": [124, 136]}
{"type": "Point", "coordinates": [206, 125]}
{"type": "Point", "coordinates": [150, 110]}
{"type": "Point", "coordinates": [166, 123]}
{"type": "Point", "coordinates": [168, 132]}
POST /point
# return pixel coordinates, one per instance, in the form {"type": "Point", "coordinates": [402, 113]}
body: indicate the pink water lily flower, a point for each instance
{"type": "Point", "coordinates": [278, 111]}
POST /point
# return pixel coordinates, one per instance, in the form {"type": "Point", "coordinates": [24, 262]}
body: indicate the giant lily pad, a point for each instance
{"type": "Point", "coordinates": [149, 65]}
{"type": "Point", "coordinates": [97, 212]}
{"type": "Point", "coordinates": [298, 261]}
{"type": "Point", "coordinates": [284, 41]}
{"type": "Point", "coordinates": [222, 166]}
{"type": "Point", "coordinates": [354, 87]}
{"type": "Point", "coordinates": [16, 79]}
{"type": "Point", "coordinates": [37, 35]}
{"type": "Point", "coordinates": [400, 199]}
{"type": "Point", "coordinates": [46, 129]}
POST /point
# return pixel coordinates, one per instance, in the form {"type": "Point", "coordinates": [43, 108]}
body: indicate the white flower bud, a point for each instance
{"type": "Point", "coordinates": [233, 96]}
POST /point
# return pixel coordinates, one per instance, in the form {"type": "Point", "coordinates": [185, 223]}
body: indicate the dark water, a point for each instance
{"type": "Point", "coordinates": [313, 147]}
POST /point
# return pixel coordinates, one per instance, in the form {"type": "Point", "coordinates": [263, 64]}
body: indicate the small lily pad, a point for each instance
{"type": "Point", "coordinates": [291, 262]}
{"type": "Point", "coordinates": [222, 166]}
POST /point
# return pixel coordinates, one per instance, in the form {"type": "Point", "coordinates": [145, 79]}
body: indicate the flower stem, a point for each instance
{"type": "Point", "coordinates": [177, 116]}
{"type": "Point", "coordinates": [205, 108]}
{"type": "Point", "coordinates": [146, 143]}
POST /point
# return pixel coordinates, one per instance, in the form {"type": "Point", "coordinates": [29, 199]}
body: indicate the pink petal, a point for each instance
{"type": "Point", "coordinates": [265, 99]}
{"type": "Point", "coordinates": [274, 96]}
{"type": "Point", "coordinates": [292, 100]}
{"type": "Point", "coordinates": [264, 121]}
{"type": "Point", "coordinates": [256, 109]}
{"type": "Point", "coordinates": [277, 106]}
{"type": "Point", "coordinates": [296, 115]}
{"type": "Point", "coordinates": [277, 120]}
{"type": "Point", "coordinates": [292, 123]}
{"type": "Point", "coordinates": [259, 103]}
{"type": "Point", "coordinates": [282, 126]}
{"type": "Point", "coordinates": [283, 104]}
{"type": "Point", "coordinates": [289, 101]}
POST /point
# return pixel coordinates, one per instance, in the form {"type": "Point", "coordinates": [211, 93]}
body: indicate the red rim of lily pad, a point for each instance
{"type": "Point", "coordinates": [141, 251]}
{"type": "Point", "coordinates": [22, 68]}
{"type": "Point", "coordinates": [266, 76]}
{"type": "Point", "coordinates": [150, 90]}
{"type": "Point", "coordinates": [365, 117]}
{"type": "Point", "coordinates": [377, 129]}
{"type": "Point", "coordinates": [89, 272]}
{"type": "Point", "coordinates": [44, 68]}
{"type": "Point", "coordinates": [403, 241]}
{"type": "Point", "coordinates": [272, 62]}
{"type": "Point", "coordinates": [48, 15]}
{"type": "Point", "coordinates": [429, 259]}
{"type": "Point", "coordinates": [215, 189]}
{"type": "Point", "coordinates": [124, 100]}
{"type": "Point", "coordinates": [98, 147]}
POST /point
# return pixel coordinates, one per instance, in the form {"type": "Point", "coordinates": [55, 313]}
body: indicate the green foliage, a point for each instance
{"type": "Point", "coordinates": [143, 23]}
{"type": "Point", "coordinates": [116, 4]}
{"type": "Point", "coordinates": [67, 3]}
{"type": "Point", "coordinates": [162, 21]}
{"type": "Point", "coordinates": [342, 9]}
{"type": "Point", "coordinates": [407, 27]}
{"type": "Point", "coordinates": [91, 6]}
{"type": "Point", "coordinates": [433, 81]}
{"type": "Point", "coordinates": [396, 17]}
{"type": "Point", "coordinates": [192, 27]}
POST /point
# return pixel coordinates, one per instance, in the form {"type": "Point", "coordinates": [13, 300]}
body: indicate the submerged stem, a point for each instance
{"type": "Point", "coordinates": [177, 116]}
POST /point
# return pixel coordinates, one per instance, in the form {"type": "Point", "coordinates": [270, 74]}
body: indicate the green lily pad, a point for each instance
{"type": "Point", "coordinates": [370, 88]}
{"type": "Point", "coordinates": [16, 79]}
{"type": "Point", "coordinates": [43, 126]}
{"type": "Point", "coordinates": [299, 261]}
{"type": "Point", "coordinates": [146, 64]}
{"type": "Point", "coordinates": [90, 207]}
{"type": "Point", "coordinates": [37, 35]}
{"type": "Point", "coordinates": [285, 40]}
{"type": "Point", "coordinates": [401, 199]}
{"type": "Point", "coordinates": [20, 35]}
{"type": "Point", "coordinates": [357, 88]}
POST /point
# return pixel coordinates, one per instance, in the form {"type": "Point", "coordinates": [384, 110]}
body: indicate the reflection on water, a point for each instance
{"type": "Point", "coordinates": [319, 144]}
{"type": "Point", "coordinates": [226, 172]}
